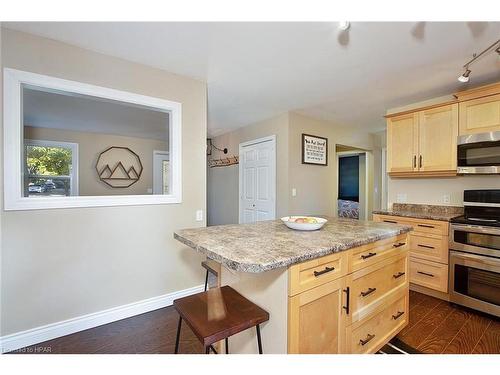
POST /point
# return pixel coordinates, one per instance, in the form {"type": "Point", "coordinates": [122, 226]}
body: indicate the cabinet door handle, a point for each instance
{"type": "Point", "coordinates": [367, 340]}
{"type": "Point", "coordinates": [426, 226]}
{"type": "Point", "coordinates": [390, 221]}
{"type": "Point", "coordinates": [346, 307]}
{"type": "Point", "coordinates": [420, 161]}
{"type": "Point", "coordinates": [425, 273]}
{"type": "Point", "coordinates": [398, 315]}
{"type": "Point", "coordinates": [426, 246]}
{"type": "Point", "coordinates": [399, 244]}
{"type": "Point", "coordinates": [369, 255]}
{"type": "Point", "coordinates": [398, 275]}
{"type": "Point", "coordinates": [414, 161]}
{"type": "Point", "coordinates": [326, 270]}
{"type": "Point", "coordinates": [369, 291]}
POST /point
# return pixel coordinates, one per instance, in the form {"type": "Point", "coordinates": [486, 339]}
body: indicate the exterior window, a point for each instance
{"type": "Point", "coordinates": [51, 168]}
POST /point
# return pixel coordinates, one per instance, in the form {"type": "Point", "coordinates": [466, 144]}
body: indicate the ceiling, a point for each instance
{"type": "Point", "coordinates": [82, 113]}
{"type": "Point", "coordinates": [258, 70]}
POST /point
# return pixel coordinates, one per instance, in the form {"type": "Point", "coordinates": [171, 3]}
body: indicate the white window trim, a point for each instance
{"type": "Point", "coordinates": [13, 143]}
{"type": "Point", "coordinates": [74, 158]}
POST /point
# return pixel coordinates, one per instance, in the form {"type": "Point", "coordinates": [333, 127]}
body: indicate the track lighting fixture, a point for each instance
{"type": "Point", "coordinates": [465, 76]}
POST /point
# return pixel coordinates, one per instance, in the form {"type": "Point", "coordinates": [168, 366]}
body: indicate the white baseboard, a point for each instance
{"type": "Point", "coordinates": [51, 331]}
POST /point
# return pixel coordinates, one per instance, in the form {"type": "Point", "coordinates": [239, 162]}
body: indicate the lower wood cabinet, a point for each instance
{"type": "Point", "coordinates": [357, 312]}
{"type": "Point", "coordinates": [317, 319]}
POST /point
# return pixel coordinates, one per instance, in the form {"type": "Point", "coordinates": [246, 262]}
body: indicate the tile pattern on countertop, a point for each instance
{"type": "Point", "coordinates": [423, 211]}
{"type": "Point", "coordinates": [267, 245]}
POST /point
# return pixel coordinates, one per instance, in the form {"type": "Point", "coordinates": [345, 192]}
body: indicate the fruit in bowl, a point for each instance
{"type": "Point", "coordinates": [303, 222]}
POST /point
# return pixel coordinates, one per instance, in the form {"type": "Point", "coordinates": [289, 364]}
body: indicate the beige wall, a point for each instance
{"type": "Point", "coordinates": [316, 185]}
{"type": "Point", "coordinates": [90, 145]}
{"type": "Point", "coordinates": [223, 181]}
{"type": "Point", "coordinates": [60, 264]}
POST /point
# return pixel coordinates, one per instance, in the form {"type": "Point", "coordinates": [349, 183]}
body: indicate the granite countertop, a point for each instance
{"type": "Point", "coordinates": [423, 211]}
{"type": "Point", "coordinates": [268, 245]}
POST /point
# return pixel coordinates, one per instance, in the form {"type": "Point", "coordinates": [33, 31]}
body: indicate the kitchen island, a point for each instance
{"type": "Point", "coordinates": [341, 289]}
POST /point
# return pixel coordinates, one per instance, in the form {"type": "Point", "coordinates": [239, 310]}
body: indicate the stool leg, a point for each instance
{"type": "Point", "coordinates": [227, 346]}
{"type": "Point", "coordinates": [178, 335]}
{"type": "Point", "coordinates": [207, 349]}
{"type": "Point", "coordinates": [259, 341]}
{"type": "Point", "coordinates": [206, 281]}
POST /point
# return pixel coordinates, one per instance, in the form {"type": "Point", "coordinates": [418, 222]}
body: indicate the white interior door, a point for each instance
{"type": "Point", "coordinates": [257, 180]}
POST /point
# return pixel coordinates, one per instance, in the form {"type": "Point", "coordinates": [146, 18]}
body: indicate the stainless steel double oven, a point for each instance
{"type": "Point", "coordinates": [474, 242]}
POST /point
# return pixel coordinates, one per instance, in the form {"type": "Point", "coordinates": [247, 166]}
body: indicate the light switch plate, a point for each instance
{"type": "Point", "coordinates": [446, 198]}
{"type": "Point", "coordinates": [294, 192]}
{"type": "Point", "coordinates": [199, 215]}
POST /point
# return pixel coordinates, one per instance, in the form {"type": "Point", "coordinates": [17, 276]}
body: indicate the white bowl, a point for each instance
{"type": "Point", "coordinates": [303, 226]}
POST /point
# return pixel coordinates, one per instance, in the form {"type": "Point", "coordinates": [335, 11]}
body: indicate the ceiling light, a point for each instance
{"type": "Point", "coordinates": [464, 77]}
{"type": "Point", "coordinates": [494, 47]}
{"type": "Point", "coordinates": [344, 25]}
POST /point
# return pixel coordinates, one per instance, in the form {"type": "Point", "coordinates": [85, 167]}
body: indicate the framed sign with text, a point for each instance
{"type": "Point", "coordinates": [314, 150]}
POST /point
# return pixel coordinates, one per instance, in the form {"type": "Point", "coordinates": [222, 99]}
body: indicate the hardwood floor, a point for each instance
{"type": "Point", "coordinates": [435, 327]}
{"type": "Point", "coordinates": [439, 327]}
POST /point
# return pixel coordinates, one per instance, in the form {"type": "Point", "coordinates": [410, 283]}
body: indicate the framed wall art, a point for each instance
{"type": "Point", "coordinates": [314, 150]}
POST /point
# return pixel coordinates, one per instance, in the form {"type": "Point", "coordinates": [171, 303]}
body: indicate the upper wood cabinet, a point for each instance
{"type": "Point", "coordinates": [437, 139]}
{"type": "Point", "coordinates": [480, 115]}
{"type": "Point", "coordinates": [423, 143]}
{"type": "Point", "coordinates": [402, 143]}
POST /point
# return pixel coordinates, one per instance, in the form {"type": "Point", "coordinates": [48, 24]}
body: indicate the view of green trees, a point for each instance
{"type": "Point", "coordinates": [50, 161]}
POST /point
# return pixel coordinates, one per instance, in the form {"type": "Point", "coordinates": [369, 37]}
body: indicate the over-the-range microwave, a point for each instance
{"type": "Point", "coordinates": [479, 153]}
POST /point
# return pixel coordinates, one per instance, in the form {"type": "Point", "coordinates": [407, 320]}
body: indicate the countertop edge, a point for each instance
{"type": "Point", "coordinates": [258, 268]}
{"type": "Point", "coordinates": [413, 215]}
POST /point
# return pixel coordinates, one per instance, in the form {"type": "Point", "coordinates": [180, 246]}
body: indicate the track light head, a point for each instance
{"type": "Point", "coordinates": [464, 77]}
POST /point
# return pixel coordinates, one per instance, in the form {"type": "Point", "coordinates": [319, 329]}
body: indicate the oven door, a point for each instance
{"type": "Point", "coordinates": [479, 153]}
{"type": "Point", "coordinates": [475, 282]}
{"type": "Point", "coordinates": [475, 239]}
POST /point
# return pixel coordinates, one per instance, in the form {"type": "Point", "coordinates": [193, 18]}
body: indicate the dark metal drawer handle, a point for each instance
{"type": "Point", "coordinates": [367, 340]}
{"type": "Point", "coordinates": [398, 315]}
{"type": "Point", "coordinates": [390, 221]}
{"type": "Point", "coordinates": [346, 307]}
{"type": "Point", "coordinates": [327, 269]}
{"type": "Point", "coordinates": [414, 161]}
{"type": "Point", "coordinates": [426, 246]}
{"type": "Point", "coordinates": [426, 226]}
{"type": "Point", "coordinates": [398, 275]}
{"type": "Point", "coordinates": [369, 291]}
{"type": "Point", "coordinates": [425, 273]}
{"type": "Point", "coordinates": [399, 244]}
{"type": "Point", "coordinates": [368, 256]}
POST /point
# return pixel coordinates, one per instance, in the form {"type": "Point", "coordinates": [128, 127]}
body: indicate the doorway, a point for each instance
{"type": "Point", "coordinates": [353, 181]}
{"type": "Point", "coordinates": [161, 165]}
{"type": "Point", "coordinates": [257, 180]}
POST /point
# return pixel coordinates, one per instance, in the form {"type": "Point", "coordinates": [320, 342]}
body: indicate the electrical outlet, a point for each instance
{"type": "Point", "coordinates": [446, 198]}
{"type": "Point", "coordinates": [199, 215]}
{"type": "Point", "coordinates": [402, 198]}
{"type": "Point", "coordinates": [294, 192]}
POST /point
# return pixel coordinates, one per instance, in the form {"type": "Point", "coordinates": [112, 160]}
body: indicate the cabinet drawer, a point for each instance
{"type": "Point", "coordinates": [367, 255]}
{"type": "Point", "coordinates": [429, 247]}
{"type": "Point", "coordinates": [307, 275]}
{"type": "Point", "coordinates": [429, 274]}
{"type": "Point", "coordinates": [370, 286]}
{"type": "Point", "coordinates": [372, 333]}
{"type": "Point", "coordinates": [430, 226]}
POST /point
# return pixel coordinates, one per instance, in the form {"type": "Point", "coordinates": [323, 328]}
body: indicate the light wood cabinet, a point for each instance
{"type": "Point", "coordinates": [423, 143]}
{"type": "Point", "coordinates": [480, 115]}
{"type": "Point", "coordinates": [402, 143]}
{"type": "Point", "coordinates": [428, 252]}
{"type": "Point", "coordinates": [327, 316]}
{"type": "Point", "coordinates": [437, 139]}
{"type": "Point", "coordinates": [317, 320]}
